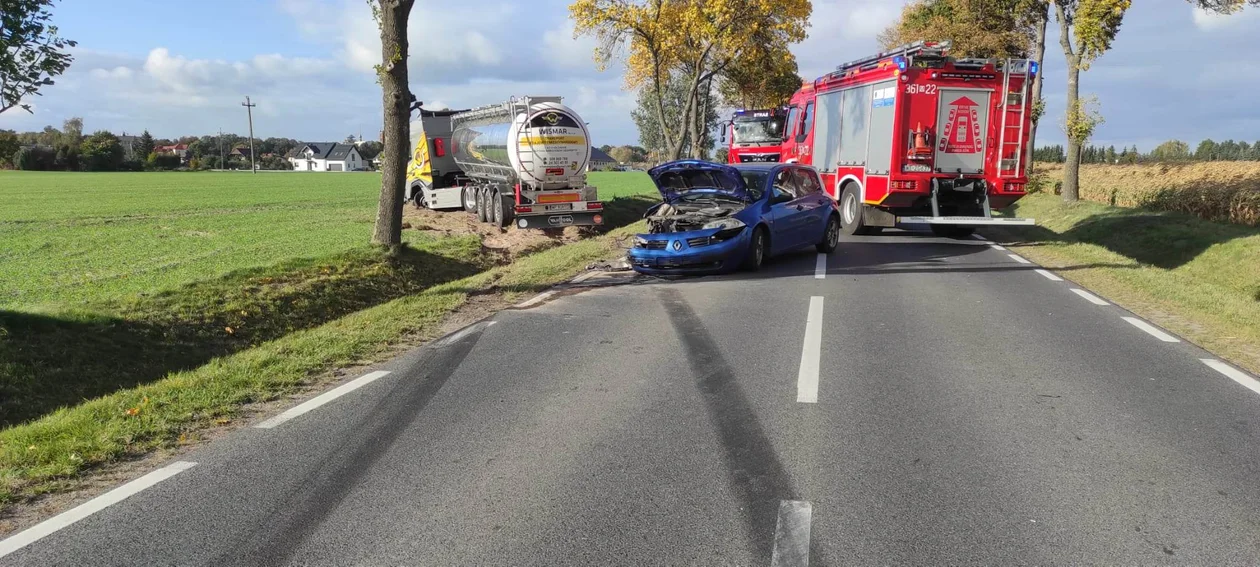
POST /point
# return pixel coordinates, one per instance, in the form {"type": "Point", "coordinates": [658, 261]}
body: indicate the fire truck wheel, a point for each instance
{"type": "Point", "coordinates": [758, 249]}
{"type": "Point", "coordinates": [831, 236]}
{"type": "Point", "coordinates": [851, 211]}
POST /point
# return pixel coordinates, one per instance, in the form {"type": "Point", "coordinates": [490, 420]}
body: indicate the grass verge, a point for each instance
{"type": "Point", "coordinates": [48, 454]}
{"type": "Point", "coordinates": [1197, 278]}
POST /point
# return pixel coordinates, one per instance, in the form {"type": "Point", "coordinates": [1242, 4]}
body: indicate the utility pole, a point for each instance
{"type": "Point", "coordinates": [249, 108]}
{"type": "Point", "coordinates": [221, 149]}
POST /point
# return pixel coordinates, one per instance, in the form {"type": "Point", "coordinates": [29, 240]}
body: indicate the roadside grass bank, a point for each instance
{"type": "Point", "coordinates": [51, 453]}
{"type": "Point", "coordinates": [1196, 278]}
{"type": "Point", "coordinates": [1221, 191]}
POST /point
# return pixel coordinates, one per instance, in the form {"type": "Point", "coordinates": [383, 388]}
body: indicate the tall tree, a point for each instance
{"type": "Point", "coordinates": [1086, 30]}
{"type": "Point", "coordinates": [699, 39]}
{"type": "Point", "coordinates": [391, 18]}
{"type": "Point", "coordinates": [144, 146]}
{"type": "Point", "coordinates": [72, 131]}
{"type": "Point", "coordinates": [31, 51]}
{"type": "Point", "coordinates": [764, 80]}
{"type": "Point", "coordinates": [101, 152]}
{"type": "Point", "coordinates": [976, 28]}
{"type": "Point", "coordinates": [1038, 14]}
{"type": "Point", "coordinates": [9, 146]}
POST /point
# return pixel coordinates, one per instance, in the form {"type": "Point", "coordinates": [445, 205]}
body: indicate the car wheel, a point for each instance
{"type": "Point", "coordinates": [851, 211]}
{"type": "Point", "coordinates": [758, 249]}
{"type": "Point", "coordinates": [831, 236]}
{"type": "Point", "coordinates": [949, 231]}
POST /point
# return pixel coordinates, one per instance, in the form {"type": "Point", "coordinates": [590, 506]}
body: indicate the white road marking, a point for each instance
{"type": "Point", "coordinates": [65, 519]}
{"type": "Point", "coordinates": [584, 277]}
{"type": "Point", "coordinates": [997, 247]}
{"type": "Point", "coordinates": [1233, 373]}
{"type": "Point", "coordinates": [807, 379]}
{"type": "Point", "coordinates": [791, 534]}
{"type": "Point", "coordinates": [322, 399]}
{"type": "Point", "coordinates": [1150, 329]}
{"type": "Point", "coordinates": [980, 238]}
{"type": "Point", "coordinates": [536, 299]}
{"type": "Point", "coordinates": [1089, 297]}
{"type": "Point", "coordinates": [1019, 258]}
{"type": "Point", "coordinates": [820, 269]}
{"type": "Point", "coordinates": [1049, 275]}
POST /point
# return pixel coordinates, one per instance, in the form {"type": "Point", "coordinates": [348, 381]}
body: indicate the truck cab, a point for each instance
{"type": "Point", "coordinates": [756, 136]}
{"type": "Point", "coordinates": [434, 180]}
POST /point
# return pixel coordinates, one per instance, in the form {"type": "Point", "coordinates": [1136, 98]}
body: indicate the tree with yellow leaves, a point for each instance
{"type": "Point", "coordinates": [698, 38]}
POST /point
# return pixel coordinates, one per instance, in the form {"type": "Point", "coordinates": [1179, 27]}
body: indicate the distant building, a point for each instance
{"type": "Point", "coordinates": [128, 144]}
{"type": "Point", "coordinates": [326, 156]}
{"type": "Point", "coordinates": [240, 152]}
{"type": "Point", "coordinates": [600, 160]}
{"type": "Point", "coordinates": [180, 150]}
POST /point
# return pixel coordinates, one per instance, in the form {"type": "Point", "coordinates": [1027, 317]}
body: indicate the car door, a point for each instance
{"type": "Point", "coordinates": [786, 211]}
{"type": "Point", "coordinates": [815, 204]}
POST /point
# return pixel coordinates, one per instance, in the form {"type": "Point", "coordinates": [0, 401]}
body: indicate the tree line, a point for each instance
{"type": "Point", "coordinates": [68, 149]}
{"type": "Point", "coordinates": [1170, 151]}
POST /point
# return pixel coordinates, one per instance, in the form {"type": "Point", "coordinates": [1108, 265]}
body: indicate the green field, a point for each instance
{"type": "Point", "coordinates": [73, 239]}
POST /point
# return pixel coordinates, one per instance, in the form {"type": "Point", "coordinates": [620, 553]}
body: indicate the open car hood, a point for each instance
{"type": "Point", "coordinates": [676, 178]}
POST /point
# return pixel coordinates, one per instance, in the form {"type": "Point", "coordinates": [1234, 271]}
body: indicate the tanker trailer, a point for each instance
{"type": "Point", "coordinates": [526, 161]}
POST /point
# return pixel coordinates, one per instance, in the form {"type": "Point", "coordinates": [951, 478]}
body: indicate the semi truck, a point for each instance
{"type": "Point", "coordinates": [521, 162]}
{"type": "Point", "coordinates": [913, 137]}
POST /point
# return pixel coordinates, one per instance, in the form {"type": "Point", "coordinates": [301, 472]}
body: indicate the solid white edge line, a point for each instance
{"type": "Point", "coordinates": [980, 238]}
{"type": "Point", "coordinates": [791, 534]}
{"type": "Point", "coordinates": [820, 268]}
{"type": "Point", "coordinates": [322, 399]}
{"type": "Point", "coordinates": [1019, 259]}
{"type": "Point", "coordinates": [997, 247]}
{"type": "Point", "coordinates": [1151, 330]}
{"type": "Point", "coordinates": [1049, 275]}
{"type": "Point", "coordinates": [1233, 373]}
{"type": "Point", "coordinates": [65, 519]}
{"type": "Point", "coordinates": [536, 299]}
{"type": "Point", "coordinates": [584, 277]}
{"type": "Point", "coordinates": [1089, 297]}
{"type": "Point", "coordinates": [811, 352]}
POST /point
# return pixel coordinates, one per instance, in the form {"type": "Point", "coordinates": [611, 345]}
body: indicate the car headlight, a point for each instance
{"type": "Point", "coordinates": [640, 242]}
{"type": "Point", "coordinates": [725, 224]}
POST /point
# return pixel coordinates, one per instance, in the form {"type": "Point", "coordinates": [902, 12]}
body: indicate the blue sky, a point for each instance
{"type": "Point", "coordinates": [177, 68]}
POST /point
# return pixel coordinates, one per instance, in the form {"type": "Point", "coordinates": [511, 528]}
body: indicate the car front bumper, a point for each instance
{"type": "Point", "coordinates": [682, 255]}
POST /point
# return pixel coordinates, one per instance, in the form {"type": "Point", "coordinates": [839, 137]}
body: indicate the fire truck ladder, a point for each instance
{"type": "Point", "coordinates": [1014, 105]}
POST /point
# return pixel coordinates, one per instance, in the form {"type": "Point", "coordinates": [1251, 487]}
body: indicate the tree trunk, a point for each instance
{"type": "Point", "coordinates": [1039, 55]}
{"type": "Point", "coordinates": [1072, 168]}
{"type": "Point", "coordinates": [703, 98]}
{"type": "Point", "coordinates": [396, 98]}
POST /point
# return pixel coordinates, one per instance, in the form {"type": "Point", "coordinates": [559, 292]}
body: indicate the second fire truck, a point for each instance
{"type": "Point", "coordinates": [913, 136]}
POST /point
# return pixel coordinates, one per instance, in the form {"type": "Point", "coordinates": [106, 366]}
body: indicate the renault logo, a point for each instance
{"type": "Point", "coordinates": [677, 245]}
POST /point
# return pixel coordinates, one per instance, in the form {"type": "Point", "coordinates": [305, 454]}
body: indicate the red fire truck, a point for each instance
{"type": "Point", "coordinates": [913, 136]}
{"type": "Point", "coordinates": [756, 135]}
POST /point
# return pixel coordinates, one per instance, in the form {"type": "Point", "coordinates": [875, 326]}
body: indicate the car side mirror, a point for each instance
{"type": "Point", "coordinates": [780, 198]}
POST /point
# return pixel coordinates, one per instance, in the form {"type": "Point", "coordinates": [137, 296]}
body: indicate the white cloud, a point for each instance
{"type": "Point", "coordinates": [119, 72]}
{"type": "Point", "coordinates": [843, 30]}
{"type": "Point", "coordinates": [1208, 21]}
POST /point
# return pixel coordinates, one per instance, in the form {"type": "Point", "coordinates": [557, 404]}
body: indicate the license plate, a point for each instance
{"type": "Point", "coordinates": [564, 207]}
{"type": "Point", "coordinates": [560, 220]}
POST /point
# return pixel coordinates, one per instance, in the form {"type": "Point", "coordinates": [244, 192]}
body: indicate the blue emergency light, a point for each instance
{"type": "Point", "coordinates": [1032, 67]}
{"type": "Point", "coordinates": [900, 61]}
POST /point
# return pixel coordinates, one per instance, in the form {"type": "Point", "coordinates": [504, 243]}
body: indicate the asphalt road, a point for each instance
{"type": "Point", "coordinates": [969, 410]}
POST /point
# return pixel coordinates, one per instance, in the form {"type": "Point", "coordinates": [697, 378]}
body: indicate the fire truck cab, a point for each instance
{"type": "Point", "coordinates": [756, 135]}
{"type": "Point", "coordinates": [913, 137]}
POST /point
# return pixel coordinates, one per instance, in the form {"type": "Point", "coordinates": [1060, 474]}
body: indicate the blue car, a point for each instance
{"type": "Point", "coordinates": [717, 218]}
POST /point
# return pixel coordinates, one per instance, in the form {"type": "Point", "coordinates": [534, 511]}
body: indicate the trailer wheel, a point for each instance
{"type": "Point", "coordinates": [851, 210]}
{"type": "Point", "coordinates": [469, 196]}
{"type": "Point", "coordinates": [483, 212]}
{"type": "Point", "coordinates": [496, 209]}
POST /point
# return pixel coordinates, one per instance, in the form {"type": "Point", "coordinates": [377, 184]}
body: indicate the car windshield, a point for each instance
{"type": "Point", "coordinates": [762, 130]}
{"type": "Point", "coordinates": [755, 182]}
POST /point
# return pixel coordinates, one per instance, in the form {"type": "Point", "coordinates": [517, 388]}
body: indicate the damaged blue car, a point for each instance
{"type": "Point", "coordinates": [717, 218]}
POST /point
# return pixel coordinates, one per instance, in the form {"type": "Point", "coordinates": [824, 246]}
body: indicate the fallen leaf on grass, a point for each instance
{"type": "Point", "coordinates": [229, 330]}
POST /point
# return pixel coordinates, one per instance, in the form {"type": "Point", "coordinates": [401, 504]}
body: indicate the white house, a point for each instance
{"type": "Point", "coordinates": [326, 156]}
